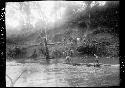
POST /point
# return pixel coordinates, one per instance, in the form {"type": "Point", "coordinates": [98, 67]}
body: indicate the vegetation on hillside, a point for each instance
{"type": "Point", "coordinates": [101, 44]}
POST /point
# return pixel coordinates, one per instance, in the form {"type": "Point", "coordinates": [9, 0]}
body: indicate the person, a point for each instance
{"type": "Point", "coordinates": [68, 59]}
{"type": "Point", "coordinates": [84, 59]}
{"type": "Point", "coordinates": [97, 60]}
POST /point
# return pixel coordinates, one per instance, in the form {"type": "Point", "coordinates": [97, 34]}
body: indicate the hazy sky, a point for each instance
{"type": "Point", "coordinates": [30, 16]}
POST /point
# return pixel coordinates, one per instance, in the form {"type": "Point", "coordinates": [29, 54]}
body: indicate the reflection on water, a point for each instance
{"type": "Point", "coordinates": [63, 75]}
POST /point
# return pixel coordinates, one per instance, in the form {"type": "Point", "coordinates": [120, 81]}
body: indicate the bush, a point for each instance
{"type": "Point", "coordinates": [57, 54]}
{"type": "Point", "coordinates": [34, 55]}
{"type": "Point", "coordinates": [16, 53]}
{"type": "Point", "coordinates": [9, 53]}
{"type": "Point", "coordinates": [42, 51]}
{"type": "Point", "coordinates": [89, 50]}
{"type": "Point", "coordinates": [101, 44]}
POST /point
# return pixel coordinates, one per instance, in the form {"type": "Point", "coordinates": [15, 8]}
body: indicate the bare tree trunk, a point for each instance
{"type": "Point", "coordinates": [47, 51]}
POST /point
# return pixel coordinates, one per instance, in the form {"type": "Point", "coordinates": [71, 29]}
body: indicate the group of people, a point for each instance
{"type": "Point", "coordinates": [69, 60]}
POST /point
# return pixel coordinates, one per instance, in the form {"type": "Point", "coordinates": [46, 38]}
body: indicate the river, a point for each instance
{"type": "Point", "coordinates": [61, 75]}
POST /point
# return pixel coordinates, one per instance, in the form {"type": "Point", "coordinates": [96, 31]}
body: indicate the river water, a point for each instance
{"type": "Point", "coordinates": [61, 75]}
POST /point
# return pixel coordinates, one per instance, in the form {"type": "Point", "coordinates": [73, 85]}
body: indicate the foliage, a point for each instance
{"type": "Point", "coordinates": [34, 55]}
{"type": "Point", "coordinates": [42, 50]}
{"type": "Point", "coordinates": [89, 50]}
{"type": "Point", "coordinates": [16, 52]}
{"type": "Point", "coordinates": [57, 54]}
{"type": "Point", "coordinates": [100, 45]}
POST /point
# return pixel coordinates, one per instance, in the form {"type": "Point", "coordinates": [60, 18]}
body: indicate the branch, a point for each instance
{"type": "Point", "coordinates": [13, 81]}
{"type": "Point", "coordinates": [10, 79]}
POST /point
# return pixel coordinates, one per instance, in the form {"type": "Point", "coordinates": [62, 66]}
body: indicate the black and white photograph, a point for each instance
{"type": "Point", "coordinates": [62, 44]}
